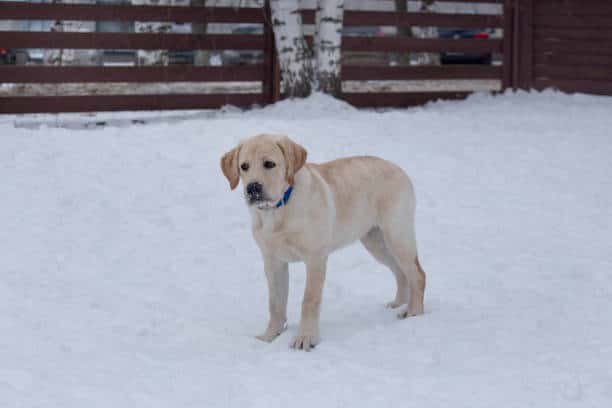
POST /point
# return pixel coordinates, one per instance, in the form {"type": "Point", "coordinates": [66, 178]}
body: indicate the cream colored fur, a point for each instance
{"type": "Point", "coordinates": [332, 205]}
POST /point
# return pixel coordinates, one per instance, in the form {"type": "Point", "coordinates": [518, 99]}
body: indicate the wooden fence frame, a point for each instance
{"type": "Point", "coordinates": [96, 40]}
{"type": "Point", "coordinates": [563, 44]}
{"type": "Point", "coordinates": [267, 73]}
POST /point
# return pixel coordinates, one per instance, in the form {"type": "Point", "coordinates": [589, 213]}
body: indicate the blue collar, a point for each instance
{"type": "Point", "coordinates": [283, 201]}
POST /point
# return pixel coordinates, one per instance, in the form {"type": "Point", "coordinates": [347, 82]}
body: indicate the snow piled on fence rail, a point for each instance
{"type": "Point", "coordinates": [130, 279]}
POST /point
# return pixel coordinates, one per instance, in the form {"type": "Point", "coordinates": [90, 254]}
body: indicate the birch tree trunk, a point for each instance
{"type": "Point", "coordinates": [155, 57]}
{"type": "Point", "coordinates": [328, 42]}
{"type": "Point", "coordinates": [427, 6]}
{"type": "Point", "coordinates": [293, 53]}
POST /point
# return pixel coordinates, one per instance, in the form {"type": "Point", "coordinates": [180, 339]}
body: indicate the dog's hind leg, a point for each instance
{"type": "Point", "coordinates": [374, 242]}
{"type": "Point", "coordinates": [399, 238]}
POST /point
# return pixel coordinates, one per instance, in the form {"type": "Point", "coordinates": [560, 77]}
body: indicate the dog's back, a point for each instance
{"type": "Point", "coordinates": [364, 189]}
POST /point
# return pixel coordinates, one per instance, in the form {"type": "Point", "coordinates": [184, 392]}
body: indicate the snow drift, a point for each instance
{"type": "Point", "coordinates": [129, 276]}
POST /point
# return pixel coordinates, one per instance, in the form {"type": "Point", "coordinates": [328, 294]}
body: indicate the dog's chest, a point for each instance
{"type": "Point", "coordinates": [280, 243]}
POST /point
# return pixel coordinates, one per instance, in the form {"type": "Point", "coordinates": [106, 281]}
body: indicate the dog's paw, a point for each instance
{"type": "Point", "coordinates": [272, 332]}
{"type": "Point", "coordinates": [304, 342]}
{"type": "Point", "coordinates": [394, 305]}
{"type": "Point", "coordinates": [409, 312]}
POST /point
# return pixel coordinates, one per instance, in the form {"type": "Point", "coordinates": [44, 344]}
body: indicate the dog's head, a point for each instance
{"type": "Point", "coordinates": [266, 164]}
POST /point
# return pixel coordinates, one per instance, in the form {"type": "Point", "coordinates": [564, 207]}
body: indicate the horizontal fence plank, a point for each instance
{"type": "Point", "coordinates": [100, 12]}
{"type": "Point", "coordinates": [591, 22]}
{"type": "Point", "coordinates": [397, 99]}
{"type": "Point", "coordinates": [573, 46]}
{"type": "Point", "coordinates": [573, 34]}
{"type": "Point", "coordinates": [564, 72]}
{"type": "Point", "coordinates": [94, 103]}
{"type": "Point", "coordinates": [78, 40]}
{"type": "Point", "coordinates": [157, 41]}
{"type": "Point", "coordinates": [105, 12]}
{"type": "Point", "coordinates": [186, 73]}
{"type": "Point", "coordinates": [392, 18]}
{"type": "Point", "coordinates": [403, 44]}
{"type": "Point", "coordinates": [562, 58]}
{"type": "Point", "coordinates": [572, 8]}
{"type": "Point", "coordinates": [365, 73]}
{"type": "Point", "coordinates": [576, 85]}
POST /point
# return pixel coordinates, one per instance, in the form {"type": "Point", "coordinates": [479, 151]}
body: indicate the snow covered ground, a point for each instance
{"type": "Point", "coordinates": [129, 277]}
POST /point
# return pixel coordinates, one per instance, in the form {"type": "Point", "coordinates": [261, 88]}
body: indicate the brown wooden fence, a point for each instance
{"type": "Point", "coordinates": [133, 41]}
{"type": "Point", "coordinates": [564, 44]}
{"type": "Point", "coordinates": [559, 43]}
{"type": "Point", "coordinates": [399, 44]}
{"type": "Point", "coordinates": [266, 73]}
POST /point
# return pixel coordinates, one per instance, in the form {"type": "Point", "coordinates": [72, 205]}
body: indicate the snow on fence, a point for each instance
{"type": "Point", "coordinates": [558, 43]}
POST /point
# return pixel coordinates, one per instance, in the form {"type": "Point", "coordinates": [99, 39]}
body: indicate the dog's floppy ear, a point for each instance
{"type": "Point", "coordinates": [295, 157]}
{"type": "Point", "coordinates": [229, 166]}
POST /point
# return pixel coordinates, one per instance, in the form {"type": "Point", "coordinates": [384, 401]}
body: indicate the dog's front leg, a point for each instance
{"type": "Point", "coordinates": [308, 334]}
{"type": "Point", "coordinates": [277, 274]}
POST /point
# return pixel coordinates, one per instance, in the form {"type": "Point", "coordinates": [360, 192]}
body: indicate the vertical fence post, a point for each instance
{"type": "Point", "coordinates": [526, 44]}
{"type": "Point", "coordinates": [509, 46]}
{"type": "Point", "coordinates": [516, 44]}
{"type": "Point", "coordinates": [271, 82]}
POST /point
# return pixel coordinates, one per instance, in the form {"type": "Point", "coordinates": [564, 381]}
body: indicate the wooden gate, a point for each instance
{"type": "Point", "coordinates": [563, 44]}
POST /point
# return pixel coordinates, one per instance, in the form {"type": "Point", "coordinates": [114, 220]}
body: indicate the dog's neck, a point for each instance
{"type": "Point", "coordinates": [274, 219]}
{"type": "Point", "coordinates": [268, 220]}
{"type": "Point", "coordinates": [271, 219]}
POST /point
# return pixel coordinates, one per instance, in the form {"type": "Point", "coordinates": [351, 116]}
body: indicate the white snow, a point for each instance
{"type": "Point", "coordinates": [129, 277]}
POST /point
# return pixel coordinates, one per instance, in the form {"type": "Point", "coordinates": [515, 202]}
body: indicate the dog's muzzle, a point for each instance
{"type": "Point", "coordinates": [255, 193]}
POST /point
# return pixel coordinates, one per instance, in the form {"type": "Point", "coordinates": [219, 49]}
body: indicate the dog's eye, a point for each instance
{"type": "Point", "coordinates": [244, 166]}
{"type": "Point", "coordinates": [269, 164]}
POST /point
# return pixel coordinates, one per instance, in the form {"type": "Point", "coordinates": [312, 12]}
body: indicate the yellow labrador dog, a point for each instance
{"type": "Point", "coordinates": [302, 212]}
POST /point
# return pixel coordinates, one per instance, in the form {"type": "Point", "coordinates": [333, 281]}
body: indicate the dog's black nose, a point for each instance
{"type": "Point", "coordinates": [254, 190]}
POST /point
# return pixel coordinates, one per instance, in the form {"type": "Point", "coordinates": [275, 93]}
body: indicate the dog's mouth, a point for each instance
{"type": "Point", "coordinates": [261, 202]}
{"type": "Point", "coordinates": [264, 205]}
